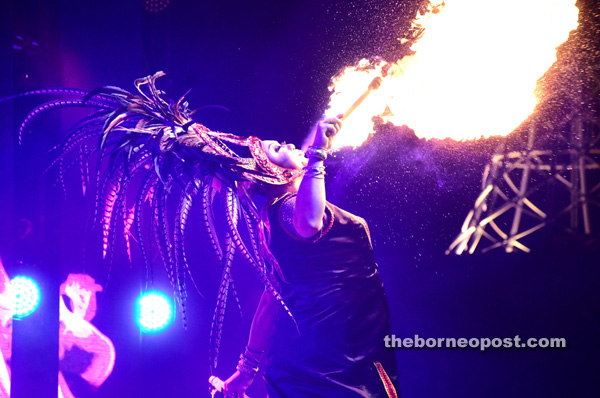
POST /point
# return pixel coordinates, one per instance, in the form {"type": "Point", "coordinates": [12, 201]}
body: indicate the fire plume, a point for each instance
{"type": "Point", "coordinates": [472, 75]}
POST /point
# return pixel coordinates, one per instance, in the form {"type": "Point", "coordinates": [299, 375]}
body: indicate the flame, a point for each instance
{"type": "Point", "coordinates": [472, 75]}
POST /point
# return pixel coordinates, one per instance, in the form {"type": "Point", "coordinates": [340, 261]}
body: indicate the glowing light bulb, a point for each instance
{"type": "Point", "coordinates": [26, 296]}
{"type": "Point", "coordinates": [154, 311]}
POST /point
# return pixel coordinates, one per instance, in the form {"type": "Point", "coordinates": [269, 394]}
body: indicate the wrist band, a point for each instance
{"type": "Point", "coordinates": [247, 366]}
{"type": "Point", "coordinates": [316, 152]}
{"type": "Point", "coordinates": [317, 172]}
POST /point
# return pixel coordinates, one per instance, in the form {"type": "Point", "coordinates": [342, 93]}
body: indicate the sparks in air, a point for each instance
{"type": "Point", "coordinates": [472, 75]}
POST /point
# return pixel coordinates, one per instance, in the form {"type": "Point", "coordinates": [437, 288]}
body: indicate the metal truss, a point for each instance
{"type": "Point", "coordinates": [554, 177]}
{"type": "Point", "coordinates": [524, 191]}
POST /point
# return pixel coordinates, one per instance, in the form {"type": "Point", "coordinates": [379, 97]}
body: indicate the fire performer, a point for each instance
{"type": "Point", "coordinates": [323, 315]}
{"type": "Point", "coordinates": [328, 277]}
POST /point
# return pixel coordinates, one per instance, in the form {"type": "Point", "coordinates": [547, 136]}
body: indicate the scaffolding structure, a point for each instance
{"type": "Point", "coordinates": [514, 200]}
{"type": "Point", "coordinates": [552, 180]}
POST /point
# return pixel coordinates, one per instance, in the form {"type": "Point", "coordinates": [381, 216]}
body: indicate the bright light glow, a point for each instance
{"type": "Point", "coordinates": [154, 311]}
{"type": "Point", "coordinates": [25, 296]}
{"type": "Point", "coordinates": [473, 74]}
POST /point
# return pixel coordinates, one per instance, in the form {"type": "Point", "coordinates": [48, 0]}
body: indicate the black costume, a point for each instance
{"type": "Point", "coordinates": [333, 289]}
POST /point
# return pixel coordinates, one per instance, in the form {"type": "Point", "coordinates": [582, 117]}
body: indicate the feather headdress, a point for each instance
{"type": "Point", "coordinates": [147, 135]}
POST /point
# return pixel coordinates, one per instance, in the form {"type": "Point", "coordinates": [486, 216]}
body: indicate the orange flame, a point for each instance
{"type": "Point", "coordinates": [473, 73]}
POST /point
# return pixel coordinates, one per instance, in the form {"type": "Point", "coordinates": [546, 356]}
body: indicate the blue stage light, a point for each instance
{"type": "Point", "coordinates": [154, 311]}
{"type": "Point", "coordinates": [25, 296]}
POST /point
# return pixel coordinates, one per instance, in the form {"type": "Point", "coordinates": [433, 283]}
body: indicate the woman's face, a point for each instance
{"type": "Point", "coordinates": [285, 155]}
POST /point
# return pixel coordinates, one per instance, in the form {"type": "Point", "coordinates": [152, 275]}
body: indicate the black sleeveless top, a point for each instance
{"type": "Point", "coordinates": [333, 289]}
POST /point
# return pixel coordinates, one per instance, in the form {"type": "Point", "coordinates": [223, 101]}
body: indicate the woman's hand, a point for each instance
{"type": "Point", "coordinates": [326, 130]}
{"type": "Point", "coordinates": [238, 383]}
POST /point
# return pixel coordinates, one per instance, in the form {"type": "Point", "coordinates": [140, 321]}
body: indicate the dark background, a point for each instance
{"type": "Point", "coordinates": [270, 63]}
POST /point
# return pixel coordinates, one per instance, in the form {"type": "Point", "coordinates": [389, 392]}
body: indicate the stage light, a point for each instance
{"type": "Point", "coordinates": [155, 6]}
{"type": "Point", "coordinates": [154, 311]}
{"type": "Point", "coordinates": [25, 296]}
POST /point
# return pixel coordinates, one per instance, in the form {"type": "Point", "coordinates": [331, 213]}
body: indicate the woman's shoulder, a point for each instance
{"type": "Point", "coordinates": [281, 212]}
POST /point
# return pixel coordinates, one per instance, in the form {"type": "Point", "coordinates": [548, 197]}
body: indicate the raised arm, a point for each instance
{"type": "Point", "coordinates": [262, 330]}
{"type": "Point", "coordinates": [310, 202]}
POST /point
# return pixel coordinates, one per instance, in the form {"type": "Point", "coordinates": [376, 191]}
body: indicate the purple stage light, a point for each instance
{"type": "Point", "coordinates": [154, 311]}
{"type": "Point", "coordinates": [155, 6]}
{"type": "Point", "coordinates": [25, 296]}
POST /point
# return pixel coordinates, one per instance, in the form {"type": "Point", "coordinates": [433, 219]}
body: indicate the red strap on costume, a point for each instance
{"type": "Point", "coordinates": [389, 387]}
